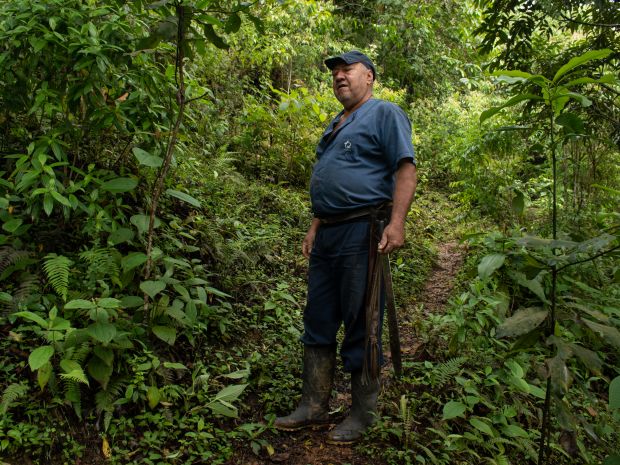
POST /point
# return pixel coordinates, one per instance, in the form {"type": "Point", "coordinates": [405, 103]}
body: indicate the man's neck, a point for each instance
{"type": "Point", "coordinates": [348, 111]}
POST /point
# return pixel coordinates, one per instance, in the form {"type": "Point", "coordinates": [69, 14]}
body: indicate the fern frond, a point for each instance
{"type": "Point", "coordinates": [11, 260]}
{"type": "Point", "coordinates": [104, 399]}
{"type": "Point", "coordinates": [103, 262]}
{"type": "Point", "coordinates": [445, 371]}
{"type": "Point", "coordinates": [73, 393]}
{"type": "Point", "coordinates": [11, 394]}
{"type": "Point", "coordinates": [56, 269]}
{"type": "Point", "coordinates": [28, 286]}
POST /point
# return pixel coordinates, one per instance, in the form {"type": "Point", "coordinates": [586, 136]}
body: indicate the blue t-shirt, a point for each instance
{"type": "Point", "coordinates": [355, 166]}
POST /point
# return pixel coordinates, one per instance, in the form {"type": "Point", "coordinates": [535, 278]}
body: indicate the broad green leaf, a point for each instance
{"type": "Point", "coordinates": [238, 374]}
{"type": "Point", "coordinates": [145, 158]}
{"type": "Point", "coordinates": [102, 331]}
{"type": "Point", "coordinates": [580, 60]}
{"type": "Point", "coordinates": [121, 235]}
{"type": "Point", "coordinates": [515, 368]}
{"type": "Point", "coordinates": [533, 285]}
{"type": "Point", "coordinates": [165, 333]}
{"type": "Point", "coordinates": [614, 393]}
{"type": "Point", "coordinates": [514, 431]}
{"type": "Point", "coordinates": [589, 358]}
{"type": "Point", "coordinates": [40, 356]}
{"type": "Point", "coordinates": [153, 395]}
{"type": "Point", "coordinates": [481, 426]}
{"type": "Point", "coordinates": [12, 225]}
{"type": "Point", "coordinates": [32, 317]}
{"type": "Point", "coordinates": [582, 99]}
{"type": "Point", "coordinates": [229, 393]}
{"type": "Point", "coordinates": [60, 324]}
{"type": "Point", "coordinates": [609, 333]}
{"type": "Point", "coordinates": [221, 409]}
{"type": "Point", "coordinates": [108, 302]}
{"type": "Point", "coordinates": [80, 303]}
{"type": "Point", "coordinates": [6, 297]}
{"type": "Point", "coordinates": [522, 322]}
{"type": "Point", "coordinates": [44, 374]}
{"type": "Point", "coordinates": [105, 354]}
{"type": "Point", "coordinates": [142, 223]}
{"type": "Point", "coordinates": [119, 185]}
{"type": "Point", "coordinates": [132, 301]}
{"type": "Point", "coordinates": [571, 123]}
{"type": "Point", "coordinates": [175, 366]}
{"type": "Point", "coordinates": [133, 260]}
{"type": "Point", "coordinates": [605, 79]}
{"type": "Point", "coordinates": [518, 202]}
{"type": "Point", "coordinates": [512, 73]}
{"type": "Point", "coordinates": [152, 288]}
{"type": "Point", "coordinates": [560, 376]}
{"type": "Point", "coordinates": [453, 409]}
{"type": "Point", "coordinates": [612, 460]}
{"type": "Point", "coordinates": [211, 35]}
{"type": "Point", "coordinates": [489, 264]}
{"type": "Point", "coordinates": [100, 371]}
{"type": "Point", "coordinates": [513, 101]}
{"type": "Point", "coordinates": [177, 313]}
{"type": "Point", "coordinates": [60, 198]}
{"type": "Point", "coordinates": [184, 197]}
{"type": "Point", "coordinates": [233, 24]}
{"type": "Point", "coordinates": [537, 391]}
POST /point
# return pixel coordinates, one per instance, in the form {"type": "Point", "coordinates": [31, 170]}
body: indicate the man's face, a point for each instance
{"type": "Point", "coordinates": [351, 83]}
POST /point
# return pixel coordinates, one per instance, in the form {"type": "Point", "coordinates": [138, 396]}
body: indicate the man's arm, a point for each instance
{"type": "Point", "coordinates": [308, 242]}
{"type": "Point", "coordinates": [406, 182]}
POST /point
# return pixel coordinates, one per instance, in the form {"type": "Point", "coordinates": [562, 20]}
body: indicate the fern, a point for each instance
{"type": "Point", "coordinates": [445, 371]}
{"type": "Point", "coordinates": [103, 262]}
{"type": "Point", "coordinates": [12, 260]}
{"type": "Point", "coordinates": [104, 399]}
{"type": "Point", "coordinates": [56, 269]}
{"type": "Point", "coordinates": [73, 394]}
{"type": "Point", "coordinates": [11, 394]}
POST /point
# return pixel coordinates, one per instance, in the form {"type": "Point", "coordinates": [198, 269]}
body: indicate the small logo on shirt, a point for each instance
{"type": "Point", "coordinates": [347, 145]}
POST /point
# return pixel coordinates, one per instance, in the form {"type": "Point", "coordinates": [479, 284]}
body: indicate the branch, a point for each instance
{"type": "Point", "coordinates": [584, 23]}
{"type": "Point", "coordinates": [600, 254]}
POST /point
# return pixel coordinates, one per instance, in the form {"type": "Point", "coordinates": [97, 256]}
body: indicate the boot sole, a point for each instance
{"type": "Point", "coordinates": [335, 442]}
{"type": "Point", "coordinates": [313, 426]}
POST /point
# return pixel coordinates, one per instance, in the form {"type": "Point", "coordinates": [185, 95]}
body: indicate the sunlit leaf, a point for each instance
{"type": "Point", "coordinates": [581, 60]}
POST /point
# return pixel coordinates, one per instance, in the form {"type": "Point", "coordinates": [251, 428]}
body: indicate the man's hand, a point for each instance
{"type": "Point", "coordinates": [393, 237]}
{"type": "Point", "coordinates": [394, 233]}
{"type": "Point", "coordinates": [308, 242]}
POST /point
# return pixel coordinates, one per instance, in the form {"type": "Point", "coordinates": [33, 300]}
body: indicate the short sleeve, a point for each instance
{"type": "Point", "coordinates": [396, 135]}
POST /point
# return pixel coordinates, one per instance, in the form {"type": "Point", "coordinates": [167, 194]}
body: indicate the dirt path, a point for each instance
{"type": "Point", "coordinates": [308, 447]}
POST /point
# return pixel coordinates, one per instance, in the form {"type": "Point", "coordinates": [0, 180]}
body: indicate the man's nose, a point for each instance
{"type": "Point", "coordinates": [338, 75]}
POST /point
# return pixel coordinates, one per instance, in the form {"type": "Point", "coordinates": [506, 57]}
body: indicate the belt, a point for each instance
{"type": "Point", "coordinates": [358, 213]}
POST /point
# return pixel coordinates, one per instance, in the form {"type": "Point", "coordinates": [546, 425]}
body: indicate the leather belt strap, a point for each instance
{"type": "Point", "coordinates": [379, 274]}
{"type": "Point", "coordinates": [356, 214]}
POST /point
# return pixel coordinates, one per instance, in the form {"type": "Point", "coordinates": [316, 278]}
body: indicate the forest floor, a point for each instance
{"type": "Point", "coordinates": [309, 447]}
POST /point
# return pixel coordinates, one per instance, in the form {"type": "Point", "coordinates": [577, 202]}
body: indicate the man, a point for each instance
{"type": "Point", "coordinates": [365, 169]}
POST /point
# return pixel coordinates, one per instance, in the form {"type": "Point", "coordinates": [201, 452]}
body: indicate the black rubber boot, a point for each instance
{"type": "Point", "coordinates": [363, 411]}
{"type": "Point", "coordinates": [317, 377]}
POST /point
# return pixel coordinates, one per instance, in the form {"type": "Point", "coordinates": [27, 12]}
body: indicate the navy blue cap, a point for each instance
{"type": "Point", "coordinates": [349, 58]}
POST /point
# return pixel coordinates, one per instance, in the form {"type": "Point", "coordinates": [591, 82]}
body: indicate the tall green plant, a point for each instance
{"type": "Point", "coordinates": [553, 256]}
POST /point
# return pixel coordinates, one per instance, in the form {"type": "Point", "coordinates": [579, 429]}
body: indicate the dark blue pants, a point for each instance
{"type": "Point", "coordinates": [336, 290]}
